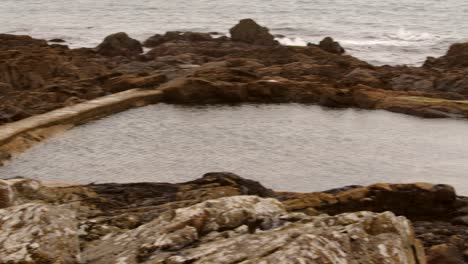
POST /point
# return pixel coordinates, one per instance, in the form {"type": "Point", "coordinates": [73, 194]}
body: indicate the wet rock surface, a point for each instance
{"type": "Point", "coordinates": [224, 218]}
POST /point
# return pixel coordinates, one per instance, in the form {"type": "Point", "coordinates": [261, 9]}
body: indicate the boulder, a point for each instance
{"type": "Point", "coordinates": [250, 229]}
{"type": "Point", "coordinates": [37, 233]}
{"type": "Point", "coordinates": [248, 31]}
{"type": "Point", "coordinates": [119, 44]}
{"type": "Point", "coordinates": [329, 45]}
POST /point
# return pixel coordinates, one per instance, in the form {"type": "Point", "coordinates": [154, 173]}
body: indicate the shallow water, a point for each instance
{"type": "Point", "coordinates": [381, 32]}
{"type": "Point", "coordinates": [286, 147]}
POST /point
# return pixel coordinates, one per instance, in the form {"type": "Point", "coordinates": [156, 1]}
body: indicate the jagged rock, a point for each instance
{"type": "Point", "coordinates": [158, 39]}
{"type": "Point", "coordinates": [119, 44]}
{"type": "Point", "coordinates": [329, 45]}
{"type": "Point", "coordinates": [227, 230]}
{"type": "Point", "coordinates": [124, 215]}
{"type": "Point", "coordinates": [248, 31]}
{"type": "Point", "coordinates": [36, 233]}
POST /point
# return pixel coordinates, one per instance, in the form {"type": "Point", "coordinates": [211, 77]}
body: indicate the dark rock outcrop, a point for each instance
{"type": "Point", "coordinates": [329, 45]}
{"type": "Point", "coordinates": [119, 44]}
{"type": "Point", "coordinates": [249, 31]}
{"type": "Point", "coordinates": [158, 39]}
{"type": "Point", "coordinates": [456, 57]}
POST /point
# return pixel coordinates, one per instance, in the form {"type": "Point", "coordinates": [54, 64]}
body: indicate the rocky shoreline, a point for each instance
{"type": "Point", "coordinates": [224, 218]}
{"type": "Point", "coordinates": [199, 68]}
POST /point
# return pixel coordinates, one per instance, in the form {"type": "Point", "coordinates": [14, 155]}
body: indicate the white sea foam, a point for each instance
{"type": "Point", "coordinates": [294, 41]}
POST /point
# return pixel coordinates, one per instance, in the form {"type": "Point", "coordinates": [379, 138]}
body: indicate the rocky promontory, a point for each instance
{"type": "Point", "coordinates": [224, 218]}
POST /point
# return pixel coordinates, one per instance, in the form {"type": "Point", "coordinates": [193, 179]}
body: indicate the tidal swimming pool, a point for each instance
{"type": "Point", "coordinates": [289, 147]}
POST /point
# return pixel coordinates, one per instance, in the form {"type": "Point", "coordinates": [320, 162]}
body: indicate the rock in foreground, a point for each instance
{"type": "Point", "coordinates": [224, 218]}
{"type": "Point", "coordinates": [249, 229]}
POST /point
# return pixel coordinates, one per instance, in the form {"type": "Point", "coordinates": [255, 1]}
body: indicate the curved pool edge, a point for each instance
{"type": "Point", "coordinates": [19, 136]}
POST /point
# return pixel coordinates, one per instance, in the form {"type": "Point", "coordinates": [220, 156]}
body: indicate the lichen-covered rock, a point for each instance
{"type": "Point", "coordinates": [119, 44]}
{"type": "Point", "coordinates": [184, 226]}
{"type": "Point", "coordinates": [36, 233]}
{"type": "Point", "coordinates": [249, 31]}
{"type": "Point", "coordinates": [250, 229]}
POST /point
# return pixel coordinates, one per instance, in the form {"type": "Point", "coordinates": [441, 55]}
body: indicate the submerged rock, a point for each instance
{"type": "Point", "coordinates": [119, 44]}
{"type": "Point", "coordinates": [249, 31]}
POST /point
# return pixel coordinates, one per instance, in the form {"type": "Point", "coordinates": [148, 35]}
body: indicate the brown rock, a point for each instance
{"type": "Point", "coordinates": [125, 82]}
{"type": "Point", "coordinates": [362, 76]}
{"type": "Point", "coordinates": [8, 41]}
{"type": "Point", "coordinates": [248, 31]}
{"type": "Point", "coordinates": [119, 44]}
{"type": "Point", "coordinates": [457, 56]}
{"type": "Point", "coordinates": [5, 88]}
{"type": "Point", "coordinates": [444, 254]}
{"type": "Point", "coordinates": [329, 45]}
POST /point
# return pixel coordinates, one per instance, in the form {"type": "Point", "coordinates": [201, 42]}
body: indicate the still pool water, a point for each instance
{"type": "Point", "coordinates": [286, 146]}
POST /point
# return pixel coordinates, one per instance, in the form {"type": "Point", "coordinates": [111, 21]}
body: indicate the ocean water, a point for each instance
{"type": "Point", "coordinates": [380, 32]}
{"type": "Point", "coordinates": [286, 146]}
